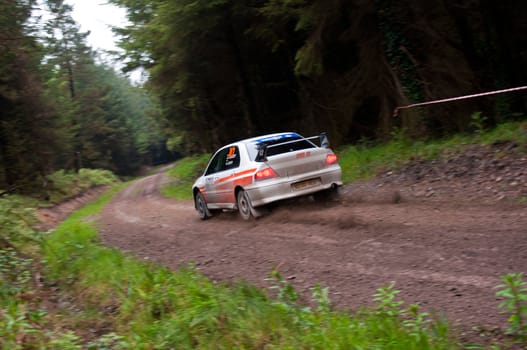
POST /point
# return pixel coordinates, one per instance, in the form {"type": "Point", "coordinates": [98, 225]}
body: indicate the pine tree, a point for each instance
{"type": "Point", "coordinates": [27, 125]}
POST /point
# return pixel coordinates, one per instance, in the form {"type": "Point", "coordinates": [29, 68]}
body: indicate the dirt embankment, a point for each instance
{"type": "Point", "coordinates": [50, 217]}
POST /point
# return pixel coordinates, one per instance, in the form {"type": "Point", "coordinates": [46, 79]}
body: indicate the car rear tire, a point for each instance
{"type": "Point", "coordinates": [201, 207]}
{"type": "Point", "coordinates": [244, 205]}
{"type": "Point", "coordinates": [326, 196]}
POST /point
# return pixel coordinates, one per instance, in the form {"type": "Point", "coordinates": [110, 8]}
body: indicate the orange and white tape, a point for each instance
{"type": "Point", "coordinates": [396, 111]}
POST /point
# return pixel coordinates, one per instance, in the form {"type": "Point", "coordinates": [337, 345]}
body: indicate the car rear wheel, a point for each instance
{"type": "Point", "coordinates": [201, 207]}
{"type": "Point", "coordinates": [330, 195]}
{"type": "Point", "coordinates": [244, 205]}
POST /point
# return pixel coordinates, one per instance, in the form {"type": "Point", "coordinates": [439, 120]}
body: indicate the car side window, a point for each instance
{"type": "Point", "coordinates": [213, 166]}
{"type": "Point", "coordinates": [232, 159]}
{"type": "Point", "coordinates": [225, 159]}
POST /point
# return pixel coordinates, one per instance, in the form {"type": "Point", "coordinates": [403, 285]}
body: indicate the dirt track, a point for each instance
{"type": "Point", "coordinates": [446, 257]}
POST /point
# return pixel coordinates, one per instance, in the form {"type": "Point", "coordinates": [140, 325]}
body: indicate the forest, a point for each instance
{"type": "Point", "coordinates": [61, 106]}
{"type": "Point", "coordinates": [220, 70]}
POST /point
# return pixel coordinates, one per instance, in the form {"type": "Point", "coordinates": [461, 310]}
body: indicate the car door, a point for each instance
{"type": "Point", "coordinates": [224, 180]}
{"type": "Point", "coordinates": [211, 176]}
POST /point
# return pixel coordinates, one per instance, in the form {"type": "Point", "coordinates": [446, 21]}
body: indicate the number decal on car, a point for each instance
{"type": "Point", "coordinates": [232, 153]}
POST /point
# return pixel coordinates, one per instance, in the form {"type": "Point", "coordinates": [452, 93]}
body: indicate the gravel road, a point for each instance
{"type": "Point", "coordinates": [445, 255]}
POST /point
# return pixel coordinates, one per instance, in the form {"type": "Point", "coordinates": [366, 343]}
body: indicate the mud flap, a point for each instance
{"type": "Point", "coordinates": [258, 212]}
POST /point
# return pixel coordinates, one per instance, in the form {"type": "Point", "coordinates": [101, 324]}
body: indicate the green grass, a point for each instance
{"type": "Point", "coordinates": [362, 162]}
{"type": "Point", "coordinates": [184, 173]}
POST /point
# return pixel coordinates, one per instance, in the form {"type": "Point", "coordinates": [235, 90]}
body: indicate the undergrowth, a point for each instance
{"type": "Point", "coordinates": [25, 321]}
{"type": "Point", "coordinates": [514, 292]}
{"type": "Point", "coordinates": [64, 184]}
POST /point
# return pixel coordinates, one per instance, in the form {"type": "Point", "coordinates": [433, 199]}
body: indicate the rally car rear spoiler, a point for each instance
{"type": "Point", "coordinates": [263, 147]}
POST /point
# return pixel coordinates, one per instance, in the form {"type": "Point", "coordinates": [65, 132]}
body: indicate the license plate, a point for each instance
{"type": "Point", "coordinates": [306, 184]}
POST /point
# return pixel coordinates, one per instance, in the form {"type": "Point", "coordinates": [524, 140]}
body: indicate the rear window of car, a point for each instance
{"type": "Point", "coordinates": [284, 144]}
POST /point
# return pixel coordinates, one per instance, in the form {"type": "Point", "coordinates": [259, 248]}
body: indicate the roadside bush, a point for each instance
{"type": "Point", "coordinates": [514, 291]}
{"type": "Point", "coordinates": [65, 184]}
{"type": "Point", "coordinates": [16, 222]}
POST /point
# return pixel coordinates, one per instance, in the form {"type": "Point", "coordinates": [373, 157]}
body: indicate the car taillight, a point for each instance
{"type": "Point", "coordinates": [264, 174]}
{"type": "Point", "coordinates": [331, 158]}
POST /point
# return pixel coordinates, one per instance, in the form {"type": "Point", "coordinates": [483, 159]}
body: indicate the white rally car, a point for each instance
{"type": "Point", "coordinates": [251, 173]}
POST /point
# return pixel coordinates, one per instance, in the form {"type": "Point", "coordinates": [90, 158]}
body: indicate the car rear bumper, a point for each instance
{"type": "Point", "coordinates": [269, 191]}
